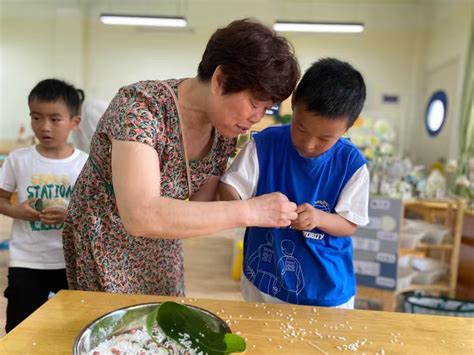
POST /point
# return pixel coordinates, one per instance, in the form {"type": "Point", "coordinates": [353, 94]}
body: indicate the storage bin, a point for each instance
{"type": "Point", "coordinates": [404, 261]}
{"type": "Point", "coordinates": [435, 234]}
{"type": "Point", "coordinates": [415, 303]}
{"type": "Point", "coordinates": [425, 271]}
{"type": "Point", "coordinates": [428, 277]}
{"type": "Point", "coordinates": [426, 264]}
{"type": "Point", "coordinates": [405, 276]}
{"type": "Point", "coordinates": [413, 231]}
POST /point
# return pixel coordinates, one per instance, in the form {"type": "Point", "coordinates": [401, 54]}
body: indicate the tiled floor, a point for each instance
{"type": "Point", "coordinates": [208, 266]}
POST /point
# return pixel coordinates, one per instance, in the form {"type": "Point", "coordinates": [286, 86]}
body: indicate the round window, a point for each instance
{"type": "Point", "coordinates": [436, 112]}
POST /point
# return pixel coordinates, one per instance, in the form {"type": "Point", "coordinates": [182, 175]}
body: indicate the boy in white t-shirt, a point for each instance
{"type": "Point", "coordinates": [43, 177]}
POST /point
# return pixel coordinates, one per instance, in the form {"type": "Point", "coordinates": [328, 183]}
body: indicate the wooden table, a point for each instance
{"type": "Point", "coordinates": [53, 328]}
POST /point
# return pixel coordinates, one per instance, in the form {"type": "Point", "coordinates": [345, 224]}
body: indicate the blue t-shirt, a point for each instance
{"type": "Point", "coordinates": [302, 267]}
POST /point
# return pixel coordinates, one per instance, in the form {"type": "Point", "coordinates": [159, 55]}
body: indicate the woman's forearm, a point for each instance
{"type": "Point", "coordinates": [171, 218]}
{"type": "Point", "coordinates": [144, 212]}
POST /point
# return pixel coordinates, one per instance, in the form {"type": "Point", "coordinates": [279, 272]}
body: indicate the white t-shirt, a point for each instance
{"type": "Point", "coordinates": [35, 245]}
{"type": "Point", "coordinates": [352, 204]}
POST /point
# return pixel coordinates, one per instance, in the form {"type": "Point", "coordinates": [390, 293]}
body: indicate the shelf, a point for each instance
{"type": "Point", "coordinates": [439, 204]}
{"type": "Point", "coordinates": [443, 246]}
{"type": "Point", "coordinates": [441, 287]}
{"type": "Point", "coordinates": [425, 246]}
{"type": "Point", "coordinates": [414, 252]}
{"type": "Point", "coordinates": [451, 212]}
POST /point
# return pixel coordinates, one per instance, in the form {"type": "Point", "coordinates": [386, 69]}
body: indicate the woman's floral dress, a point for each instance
{"type": "Point", "coordinates": [99, 253]}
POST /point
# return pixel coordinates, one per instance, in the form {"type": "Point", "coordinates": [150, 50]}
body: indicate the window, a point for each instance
{"type": "Point", "coordinates": [436, 112]}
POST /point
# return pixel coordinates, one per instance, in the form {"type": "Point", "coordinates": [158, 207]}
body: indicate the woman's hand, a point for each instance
{"type": "Point", "coordinates": [53, 215]}
{"type": "Point", "coordinates": [308, 217]}
{"type": "Point", "coordinates": [271, 210]}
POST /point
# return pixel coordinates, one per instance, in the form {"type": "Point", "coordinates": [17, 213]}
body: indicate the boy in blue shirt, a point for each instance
{"type": "Point", "coordinates": [310, 262]}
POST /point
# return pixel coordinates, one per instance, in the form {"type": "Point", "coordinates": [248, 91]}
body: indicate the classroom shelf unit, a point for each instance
{"type": "Point", "coordinates": [447, 213]}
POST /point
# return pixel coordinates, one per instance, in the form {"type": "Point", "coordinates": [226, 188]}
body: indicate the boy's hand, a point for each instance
{"type": "Point", "coordinates": [308, 217]}
{"type": "Point", "coordinates": [25, 212]}
{"type": "Point", "coordinates": [53, 215]}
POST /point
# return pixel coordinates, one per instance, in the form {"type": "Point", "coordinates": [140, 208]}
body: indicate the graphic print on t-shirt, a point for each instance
{"type": "Point", "coordinates": [273, 276]}
{"type": "Point", "coordinates": [262, 266]}
{"type": "Point", "coordinates": [55, 191]}
{"type": "Point", "coordinates": [323, 206]}
{"type": "Point", "coordinates": [290, 275]}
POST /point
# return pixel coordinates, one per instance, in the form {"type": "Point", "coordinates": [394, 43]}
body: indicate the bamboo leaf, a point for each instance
{"type": "Point", "coordinates": [234, 343]}
{"type": "Point", "coordinates": [198, 329]}
{"type": "Point", "coordinates": [38, 205]}
{"type": "Point", "coordinates": [150, 323]}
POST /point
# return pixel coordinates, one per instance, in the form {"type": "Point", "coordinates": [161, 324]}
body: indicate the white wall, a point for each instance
{"type": "Point", "coordinates": [67, 41]}
{"type": "Point", "coordinates": [443, 67]}
{"type": "Point", "coordinates": [38, 41]}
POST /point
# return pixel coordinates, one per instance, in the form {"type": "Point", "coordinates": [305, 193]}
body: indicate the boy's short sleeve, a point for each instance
{"type": "Point", "coordinates": [244, 172]}
{"type": "Point", "coordinates": [132, 116]}
{"type": "Point", "coordinates": [7, 176]}
{"type": "Point", "coordinates": [353, 203]}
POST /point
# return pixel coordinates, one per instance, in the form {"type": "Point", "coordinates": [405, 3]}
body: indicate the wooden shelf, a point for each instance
{"type": "Point", "coordinates": [438, 204]}
{"type": "Point", "coordinates": [443, 246]}
{"type": "Point", "coordinates": [451, 211]}
{"type": "Point", "coordinates": [440, 286]}
{"type": "Point", "coordinates": [425, 246]}
{"type": "Point", "coordinates": [448, 213]}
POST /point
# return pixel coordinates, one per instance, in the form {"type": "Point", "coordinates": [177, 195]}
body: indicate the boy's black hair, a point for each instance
{"type": "Point", "coordinates": [333, 89]}
{"type": "Point", "coordinates": [51, 90]}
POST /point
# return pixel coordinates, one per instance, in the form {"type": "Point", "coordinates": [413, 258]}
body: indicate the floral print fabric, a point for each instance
{"type": "Point", "coordinates": [100, 255]}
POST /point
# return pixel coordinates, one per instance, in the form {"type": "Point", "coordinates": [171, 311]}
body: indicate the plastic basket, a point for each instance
{"type": "Point", "coordinates": [405, 276]}
{"type": "Point", "coordinates": [413, 231]}
{"type": "Point", "coordinates": [420, 304]}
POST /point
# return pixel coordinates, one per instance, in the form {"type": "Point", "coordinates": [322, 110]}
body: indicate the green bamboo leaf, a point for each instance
{"type": "Point", "coordinates": [150, 323]}
{"type": "Point", "coordinates": [203, 332]}
{"type": "Point", "coordinates": [234, 343]}
{"type": "Point", "coordinates": [38, 205]}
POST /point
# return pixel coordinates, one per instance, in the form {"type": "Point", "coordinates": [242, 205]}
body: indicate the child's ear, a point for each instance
{"type": "Point", "coordinates": [217, 81]}
{"type": "Point", "coordinates": [75, 122]}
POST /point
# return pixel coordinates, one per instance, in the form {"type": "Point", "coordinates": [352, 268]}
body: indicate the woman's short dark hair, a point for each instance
{"type": "Point", "coordinates": [52, 90]}
{"type": "Point", "coordinates": [333, 89]}
{"type": "Point", "coordinates": [252, 57]}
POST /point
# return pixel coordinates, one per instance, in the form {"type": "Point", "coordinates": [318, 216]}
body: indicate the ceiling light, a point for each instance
{"type": "Point", "coordinates": [328, 27]}
{"type": "Point", "coordinates": [135, 20]}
